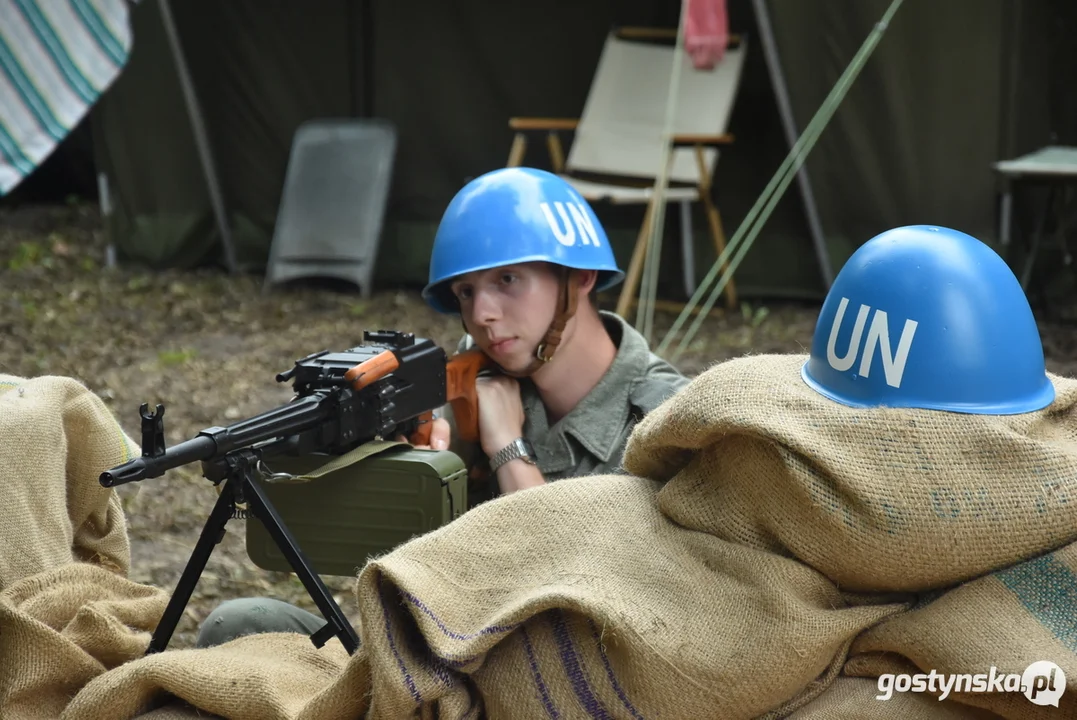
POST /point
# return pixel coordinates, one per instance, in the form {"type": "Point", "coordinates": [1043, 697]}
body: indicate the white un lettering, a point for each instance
{"type": "Point", "coordinates": [878, 334]}
{"type": "Point", "coordinates": [567, 229]}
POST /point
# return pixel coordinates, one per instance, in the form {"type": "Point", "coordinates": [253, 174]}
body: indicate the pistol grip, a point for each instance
{"type": "Point", "coordinates": [422, 435]}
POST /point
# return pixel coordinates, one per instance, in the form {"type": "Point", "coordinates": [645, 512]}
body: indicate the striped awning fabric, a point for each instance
{"type": "Point", "coordinates": [56, 58]}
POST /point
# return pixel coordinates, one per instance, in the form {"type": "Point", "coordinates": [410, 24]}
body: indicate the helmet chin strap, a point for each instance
{"type": "Point", "coordinates": [568, 282]}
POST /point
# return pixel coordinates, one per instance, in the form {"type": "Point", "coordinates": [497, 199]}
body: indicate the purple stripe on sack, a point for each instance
{"type": "Point", "coordinates": [438, 668]}
{"type": "Point", "coordinates": [609, 672]}
{"type": "Point", "coordinates": [408, 679]}
{"type": "Point", "coordinates": [492, 630]}
{"type": "Point", "coordinates": [450, 660]}
{"type": "Point", "coordinates": [539, 683]}
{"type": "Point", "coordinates": [571, 663]}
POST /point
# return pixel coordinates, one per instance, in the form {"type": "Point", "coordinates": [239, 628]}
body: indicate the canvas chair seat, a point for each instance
{"type": "Point", "coordinates": [620, 137]}
{"type": "Point", "coordinates": [628, 195]}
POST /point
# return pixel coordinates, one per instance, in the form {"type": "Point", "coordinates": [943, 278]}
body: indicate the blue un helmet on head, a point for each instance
{"type": "Point", "coordinates": [517, 215]}
{"type": "Point", "coordinates": [928, 317]}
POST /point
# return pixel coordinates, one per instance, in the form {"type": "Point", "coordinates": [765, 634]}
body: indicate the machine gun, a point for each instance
{"type": "Point", "coordinates": [388, 386]}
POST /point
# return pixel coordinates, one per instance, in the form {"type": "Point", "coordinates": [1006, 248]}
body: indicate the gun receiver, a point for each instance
{"type": "Point", "coordinates": [389, 385]}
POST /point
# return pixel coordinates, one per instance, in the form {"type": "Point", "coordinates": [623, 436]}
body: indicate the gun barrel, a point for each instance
{"type": "Point", "coordinates": [298, 416]}
{"type": "Point", "coordinates": [197, 448]}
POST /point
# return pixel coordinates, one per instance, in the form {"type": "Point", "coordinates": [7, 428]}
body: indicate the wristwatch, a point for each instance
{"type": "Point", "coordinates": [518, 448]}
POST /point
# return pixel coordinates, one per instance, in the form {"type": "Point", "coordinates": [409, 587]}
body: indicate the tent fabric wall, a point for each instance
{"type": "Point", "coordinates": [915, 136]}
{"type": "Point", "coordinates": [260, 70]}
{"type": "Point", "coordinates": [938, 102]}
{"type": "Point", "coordinates": [452, 81]}
{"type": "Point", "coordinates": [144, 145]}
{"type": "Point", "coordinates": [448, 79]}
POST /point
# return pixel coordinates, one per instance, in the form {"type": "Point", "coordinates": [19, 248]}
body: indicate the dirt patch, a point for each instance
{"type": "Point", "coordinates": [208, 347]}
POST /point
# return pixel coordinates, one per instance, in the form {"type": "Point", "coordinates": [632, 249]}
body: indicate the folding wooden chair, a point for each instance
{"type": "Point", "coordinates": [618, 144]}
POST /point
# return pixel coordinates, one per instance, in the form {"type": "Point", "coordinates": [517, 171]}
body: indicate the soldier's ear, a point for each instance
{"type": "Point", "coordinates": [588, 280]}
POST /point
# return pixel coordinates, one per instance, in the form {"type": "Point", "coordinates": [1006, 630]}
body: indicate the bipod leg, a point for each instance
{"type": "Point", "coordinates": [212, 533]}
{"type": "Point", "coordinates": [336, 623]}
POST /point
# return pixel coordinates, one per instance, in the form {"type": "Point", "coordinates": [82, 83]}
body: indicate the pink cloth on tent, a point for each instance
{"type": "Point", "coordinates": [706, 32]}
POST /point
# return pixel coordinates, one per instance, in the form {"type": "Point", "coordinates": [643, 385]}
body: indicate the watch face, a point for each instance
{"type": "Point", "coordinates": [528, 450]}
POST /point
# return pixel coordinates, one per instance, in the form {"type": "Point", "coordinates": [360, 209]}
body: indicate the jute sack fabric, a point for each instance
{"type": "Point", "coordinates": [67, 613]}
{"type": "Point", "coordinates": [585, 598]}
{"type": "Point", "coordinates": [876, 499]}
{"type": "Point", "coordinates": [269, 677]}
{"type": "Point", "coordinates": [1007, 620]}
{"type": "Point", "coordinates": [68, 434]}
{"type": "Point", "coordinates": [178, 711]}
{"type": "Point", "coordinates": [581, 599]}
{"type": "Point", "coordinates": [578, 599]}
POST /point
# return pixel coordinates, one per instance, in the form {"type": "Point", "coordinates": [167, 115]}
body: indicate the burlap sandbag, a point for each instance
{"type": "Point", "coordinates": [69, 437]}
{"type": "Point", "coordinates": [67, 613]}
{"type": "Point", "coordinates": [178, 711]}
{"type": "Point", "coordinates": [1008, 620]}
{"type": "Point", "coordinates": [876, 499]}
{"type": "Point", "coordinates": [595, 597]}
{"type": "Point", "coordinates": [580, 599]}
{"type": "Point", "coordinates": [274, 676]}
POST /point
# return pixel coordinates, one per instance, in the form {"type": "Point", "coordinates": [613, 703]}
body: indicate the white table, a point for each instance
{"type": "Point", "coordinates": [1055, 166]}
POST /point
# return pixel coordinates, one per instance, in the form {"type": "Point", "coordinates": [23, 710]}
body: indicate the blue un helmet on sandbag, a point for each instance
{"type": "Point", "coordinates": [517, 215]}
{"type": "Point", "coordinates": [928, 317]}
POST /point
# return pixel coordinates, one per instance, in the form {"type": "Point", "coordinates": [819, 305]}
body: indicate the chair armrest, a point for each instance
{"type": "Point", "coordinates": [708, 140]}
{"type": "Point", "coordinates": [523, 124]}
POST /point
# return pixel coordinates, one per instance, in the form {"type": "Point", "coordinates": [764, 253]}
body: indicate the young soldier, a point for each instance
{"type": "Point", "coordinates": [519, 255]}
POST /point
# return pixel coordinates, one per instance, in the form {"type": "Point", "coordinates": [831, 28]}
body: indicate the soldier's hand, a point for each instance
{"type": "Point", "coordinates": [440, 435]}
{"type": "Point", "coordinates": [501, 412]}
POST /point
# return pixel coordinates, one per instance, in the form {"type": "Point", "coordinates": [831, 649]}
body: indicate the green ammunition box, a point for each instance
{"type": "Point", "coordinates": [343, 517]}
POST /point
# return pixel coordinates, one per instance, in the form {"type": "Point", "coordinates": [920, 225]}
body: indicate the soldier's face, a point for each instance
{"type": "Point", "coordinates": [508, 309]}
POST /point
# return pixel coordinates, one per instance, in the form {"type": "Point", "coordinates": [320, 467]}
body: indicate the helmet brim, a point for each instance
{"type": "Point", "coordinates": [438, 296]}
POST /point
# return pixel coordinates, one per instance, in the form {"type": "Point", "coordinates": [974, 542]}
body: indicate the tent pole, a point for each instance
{"type": "Point", "coordinates": [201, 140]}
{"type": "Point", "coordinates": [367, 49]}
{"type": "Point", "coordinates": [360, 20]}
{"type": "Point", "coordinates": [1012, 23]}
{"type": "Point", "coordinates": [781, 93]}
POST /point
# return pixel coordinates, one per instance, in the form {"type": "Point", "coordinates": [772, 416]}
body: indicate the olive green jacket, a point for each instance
{"type": "Point", "coordinates": [591, 438]}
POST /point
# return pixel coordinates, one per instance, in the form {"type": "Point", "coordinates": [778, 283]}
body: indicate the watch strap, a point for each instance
{"type": "Point", "coordinates": [518, 448]}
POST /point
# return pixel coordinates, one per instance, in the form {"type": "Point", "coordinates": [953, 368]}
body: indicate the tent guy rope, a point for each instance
{"type": "Point", "coordinates": [749, 229]}
{"type": "Point", "coordinates": [649, 286]}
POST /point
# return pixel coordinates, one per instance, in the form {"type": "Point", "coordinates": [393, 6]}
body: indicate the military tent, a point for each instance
{"type": "Point", "coordinates": [953, 87]}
